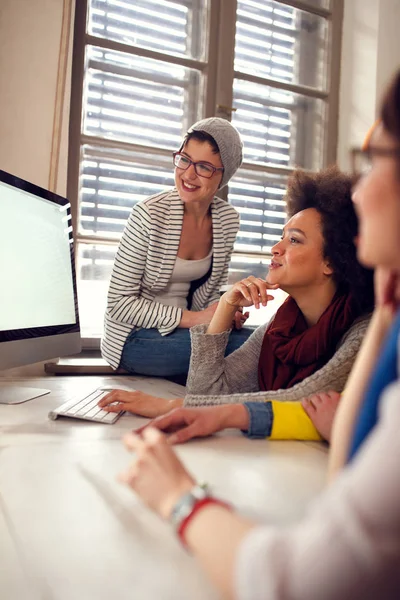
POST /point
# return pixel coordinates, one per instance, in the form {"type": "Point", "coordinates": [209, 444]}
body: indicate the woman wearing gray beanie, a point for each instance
{"type": "Point", "coordinates": [173, 259]}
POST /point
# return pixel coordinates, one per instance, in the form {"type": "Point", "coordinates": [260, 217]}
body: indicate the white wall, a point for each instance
{"type": "Point", "coordinates": [388, 59]}
{"type": "Point", "coordinates": [30, 32]}
{"type": "Point", "coordinates": [370, 55]}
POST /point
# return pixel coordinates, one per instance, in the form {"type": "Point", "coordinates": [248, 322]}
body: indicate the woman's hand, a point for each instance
{"type": "Point", "coordinates": [251, 291]}
{"type": "Point", "coordinates": [248, 292]}
{"type": "Point", "coordinates": [321, 408]}
{"type": "Point", "coordinates": [157, 475]}
{"type": "Point", "coordinates": [183, 424]}
{"type": "Point", "coordinates": [240, 319]}
{"type": "Point", "coordinates": [190, 318]}
{"type": "Point", "coordinates": [138, 403]}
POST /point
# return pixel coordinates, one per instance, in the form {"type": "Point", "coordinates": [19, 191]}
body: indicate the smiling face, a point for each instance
{"type": "Point", "coordinates": [377, 202]}
{"type": "Point", "coordinates": [298, 261]}
{"type": "Point", "coordinates": [191, 187]}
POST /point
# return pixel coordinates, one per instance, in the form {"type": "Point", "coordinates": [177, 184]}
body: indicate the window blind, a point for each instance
{"type": "Point", "coordinates": [143, 101]}
{"type": "Point", "coordinates": [138, 105]}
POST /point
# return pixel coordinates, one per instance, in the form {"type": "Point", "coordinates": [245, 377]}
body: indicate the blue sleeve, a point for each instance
{"type": "Point", "coordinates": [261, 418]}
{"type": "Point", "coordinates": [384, 373]}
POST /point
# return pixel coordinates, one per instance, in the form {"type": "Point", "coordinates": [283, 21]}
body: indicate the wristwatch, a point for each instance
{"type": "Point", "coordinates": [184, 506]}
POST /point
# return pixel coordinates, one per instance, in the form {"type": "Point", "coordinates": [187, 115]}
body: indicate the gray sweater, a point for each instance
{"type": "Point", "coordinates": [214, 379]}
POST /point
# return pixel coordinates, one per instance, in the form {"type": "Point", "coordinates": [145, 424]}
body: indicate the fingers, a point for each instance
{"type": "Point", "coordinates": [255, 289]}
{"type": "Point", "coordinates": [111, 402]}
{"type": "Point", "coordinates": [321, 409]}
{"type": "Point", "coordinates": [238, 320]}
{"type": "Point", "coordinates": [140, 429]}
{"type": "Point", "coordinates": [129, 475]}
{"type": "Point", "coordinates": [181, 419]}
{"type": "Point", "coordinates": [144, 447]}
{"type": "Point", "coordinates": [324, 397]}
{"type": "Point", "coordinates": [250, 291]}
{"type": "Point", "coordinates": [308, 406]}
{"type": "Point", "coordinates": [312, 403]}
{"type": "Point", "coordinates": [334, 395]}
{"type": "Point", "coordinates": [153, 436]}
{"type": "Point", "coordinates": [132, 442]}
{"type": "Point", "coordinates": [315, 402]}
{"type": "Point", "coordinates": [244, 290]}
{"type": "Point", "coordinates": [115, 408]}
{"type": "Point", "coordinates": [258, 292]}
{"type": "Point", "coordinates": [107, 399]}
{"type": "Point", "coordinates": [183, 435]}
{"type": "Point", "coordinates": [115, 396]}
{"type": "Point", "coordinates": [149, 438]}
{"type": "Point", "coordinates": [243, 319]}
{"type": "Point", "coordinates": [175, 418]}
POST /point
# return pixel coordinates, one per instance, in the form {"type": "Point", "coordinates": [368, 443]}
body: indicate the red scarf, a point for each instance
{"type": "Point", "coordinates": [291, 351]}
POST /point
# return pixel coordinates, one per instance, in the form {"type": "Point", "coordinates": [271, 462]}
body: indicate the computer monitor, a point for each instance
{"type": "Point", "coordinates": [38, 301]}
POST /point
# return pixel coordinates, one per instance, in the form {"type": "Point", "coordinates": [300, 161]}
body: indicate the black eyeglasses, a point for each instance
{"type": "Point", "coordinates": [203, 169]}
{"type": "Point", "coordinates": [361, 159]}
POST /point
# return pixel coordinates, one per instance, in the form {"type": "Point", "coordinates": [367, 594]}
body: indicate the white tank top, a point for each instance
{"type": "Point", "coordinates": [185, 271]}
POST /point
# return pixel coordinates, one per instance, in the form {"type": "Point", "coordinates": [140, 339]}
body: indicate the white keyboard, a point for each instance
{"type": "Point", "coordinates": [86, 408]}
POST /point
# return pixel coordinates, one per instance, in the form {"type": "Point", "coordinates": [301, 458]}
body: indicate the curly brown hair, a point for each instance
{"type": "Point", "coordinates": [329, 192]}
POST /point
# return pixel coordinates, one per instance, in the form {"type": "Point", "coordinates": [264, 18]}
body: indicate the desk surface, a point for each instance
{"type": "Point", "coordinates": [70, 531]}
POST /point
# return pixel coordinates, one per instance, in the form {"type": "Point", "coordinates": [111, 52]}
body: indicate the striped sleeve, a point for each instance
{"type": "Point", "coordinates": [125, 302]}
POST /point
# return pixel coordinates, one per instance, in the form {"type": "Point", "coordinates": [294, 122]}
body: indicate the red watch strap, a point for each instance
{"type": "Point", "coordinates": [198, 506]}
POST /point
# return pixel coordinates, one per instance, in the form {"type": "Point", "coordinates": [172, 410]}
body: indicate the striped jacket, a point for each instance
{"type": "Point", "coordinates": [144, 263]}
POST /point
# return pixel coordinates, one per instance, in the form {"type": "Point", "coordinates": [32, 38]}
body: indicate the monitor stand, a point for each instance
{"type": "Point", "coordinates": [10, 394]}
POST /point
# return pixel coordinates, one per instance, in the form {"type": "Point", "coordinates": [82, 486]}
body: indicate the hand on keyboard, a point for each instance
{"type": "Point", "coordinates": [87, 408]}
{"type": "Point", "coordinates": [138, 403]}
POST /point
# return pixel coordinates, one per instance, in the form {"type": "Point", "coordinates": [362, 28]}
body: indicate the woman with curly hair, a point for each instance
{"type": "Point", "coordinates": [309, 345]}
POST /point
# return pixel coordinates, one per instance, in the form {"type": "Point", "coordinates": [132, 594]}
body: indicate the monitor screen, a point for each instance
{"type": "Point", "coordinates": [38, 300]}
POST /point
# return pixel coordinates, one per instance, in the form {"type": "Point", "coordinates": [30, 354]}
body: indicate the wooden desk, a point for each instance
{"type": "Point", "coordinates": [70, 531]}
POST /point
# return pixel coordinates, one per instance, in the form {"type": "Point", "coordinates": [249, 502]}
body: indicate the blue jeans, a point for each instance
{"type": "Point", "coordinates": [147, 352]}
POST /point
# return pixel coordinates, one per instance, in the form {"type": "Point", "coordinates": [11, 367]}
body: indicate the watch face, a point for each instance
{"type": "Point", "coordinates": [201, 491]}
{"type": "Point", "coordinates": [186, 503]}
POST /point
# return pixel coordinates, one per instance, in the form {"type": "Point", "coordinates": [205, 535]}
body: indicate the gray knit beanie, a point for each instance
{"type": "Point", "coordinates": [229, 143]}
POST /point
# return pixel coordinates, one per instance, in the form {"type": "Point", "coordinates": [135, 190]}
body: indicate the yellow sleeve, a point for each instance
{"type": "Point", "coordinates": [291, 422]}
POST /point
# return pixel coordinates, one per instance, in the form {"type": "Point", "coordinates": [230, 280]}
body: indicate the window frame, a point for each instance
{"type": "Point", "coordinates": [218, 90]}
